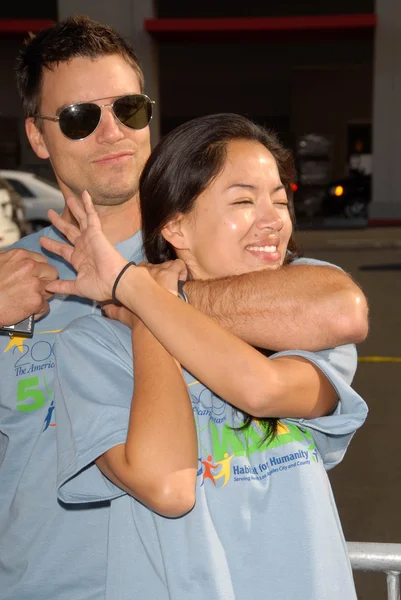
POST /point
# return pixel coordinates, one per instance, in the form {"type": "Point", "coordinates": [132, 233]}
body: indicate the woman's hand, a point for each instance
{"type": "Point", "coordinates": [166, 274]}
{"type": "Point", "coordinates": [94, 258]}
{"type": "Point", "coordinates": [120, 313]}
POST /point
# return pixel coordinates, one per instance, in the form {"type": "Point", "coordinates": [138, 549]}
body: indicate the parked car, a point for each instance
{"type": "Point", "coordinates": [9, 231]}
{"type": "Point", "coordinates": [13, 205]}
{"type": "Point", "coordinates": [38, 195]}
{"type": "Point", "coordinates": [349, 197]}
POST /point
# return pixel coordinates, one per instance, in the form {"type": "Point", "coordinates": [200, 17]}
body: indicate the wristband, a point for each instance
{"type": "Point", "coordinates": [121, 273]}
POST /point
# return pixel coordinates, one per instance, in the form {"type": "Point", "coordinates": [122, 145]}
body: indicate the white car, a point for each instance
{"type": "Point", "coordinates": [38, 195]}
{"type": "Point", "coordinates": [9, 231]}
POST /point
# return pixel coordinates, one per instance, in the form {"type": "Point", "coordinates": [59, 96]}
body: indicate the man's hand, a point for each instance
{"type": "Point", "coordinates": [24, 276]}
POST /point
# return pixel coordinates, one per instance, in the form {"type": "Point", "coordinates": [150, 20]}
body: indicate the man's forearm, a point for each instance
{"type": "Point", "coordinates": [305, 307]}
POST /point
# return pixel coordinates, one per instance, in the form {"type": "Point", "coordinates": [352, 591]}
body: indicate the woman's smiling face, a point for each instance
{"type": "Point", "coordinates": [241, 222]}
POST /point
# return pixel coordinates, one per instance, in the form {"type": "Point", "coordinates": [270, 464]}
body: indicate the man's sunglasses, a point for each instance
{"type": "Point", "coordinates": [78, 121]}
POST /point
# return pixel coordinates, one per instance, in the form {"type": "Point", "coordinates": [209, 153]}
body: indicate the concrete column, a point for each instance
{"type": "Point", "coordinates": [386, 202]}
{"type": "Point", "coordinates": [127, 17]}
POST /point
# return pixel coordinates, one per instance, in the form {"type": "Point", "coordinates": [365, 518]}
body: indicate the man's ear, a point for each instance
{"type": "Point", "coordinates": [175, 232]}
{"type": "Point", "coordinates": [35, 138]}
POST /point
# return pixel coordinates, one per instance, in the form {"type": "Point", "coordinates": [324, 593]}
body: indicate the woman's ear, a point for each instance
{"type": "Point", "coordinates": [175, 232]}
{"type": "Point", "coordinates": [35, 138]}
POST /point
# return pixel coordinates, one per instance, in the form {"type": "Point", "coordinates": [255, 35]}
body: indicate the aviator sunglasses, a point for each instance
{"type": "Point", "coordinates": [80, 120]}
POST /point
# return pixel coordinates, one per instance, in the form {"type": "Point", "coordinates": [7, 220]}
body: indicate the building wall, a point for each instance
{"type": "Point", "coordinates": [387, 113]}
{"type": "Point", "coordinates": [11, 116]}
{"type": "Point", "coordinates": [260, 8]}
{"type": "Point", "coordinates": [296, 88]}
{"type": "Point", "coordinates": [45, 9]}
{"type": "Point", "coordinates": [14, 148]}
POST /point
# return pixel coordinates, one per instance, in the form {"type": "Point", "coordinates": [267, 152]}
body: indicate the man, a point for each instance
{"type": "Point", "coordinates": [79, 83]}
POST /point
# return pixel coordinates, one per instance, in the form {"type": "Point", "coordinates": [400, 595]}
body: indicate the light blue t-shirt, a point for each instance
{"type": "Point", "coordinates": [265, 522]}
{"type": "Point", "coordinates": [48, 551]}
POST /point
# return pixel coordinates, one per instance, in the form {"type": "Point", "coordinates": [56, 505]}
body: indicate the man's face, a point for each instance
{"type": "Point", "coordinates": [109, 162]}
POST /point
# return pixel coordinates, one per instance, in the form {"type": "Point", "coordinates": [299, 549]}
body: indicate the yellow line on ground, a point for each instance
{"type": "Point", "coordinates": [381, 359]}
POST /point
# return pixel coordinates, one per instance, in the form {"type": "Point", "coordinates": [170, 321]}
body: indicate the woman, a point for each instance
{"type": "Point", "coordinates": [241, 506]}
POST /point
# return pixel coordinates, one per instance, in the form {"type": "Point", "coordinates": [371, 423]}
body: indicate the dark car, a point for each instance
{"type": "Point", "coordinates": [349, 197]}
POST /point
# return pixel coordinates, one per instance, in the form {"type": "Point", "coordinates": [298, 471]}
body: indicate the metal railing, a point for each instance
{"type": "Point", "coordinates": [369, 556]}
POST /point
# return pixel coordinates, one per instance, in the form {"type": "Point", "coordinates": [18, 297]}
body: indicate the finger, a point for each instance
{"type": "Point", "coordinates": [90, 210]}
{"type": "Point", "coordinates": [165, 266]}
{"type": "Point", "coordinates": [47, 295]}
{"type": "Point", "coordinates": [111, 311]}
{"type": "Point", "coordinates": [44, 309]}
{"type": "Point", "coordinates": [78, 211]}
{"type": "Point", "coordinates": [61, 286]}
{"type": "Point", "coordinates": [183, 274]}
{"type": "Point", "coordinates": [181, 263]}
{"type": "Point", "coordinates": [18, 255]}
{"type": "Point", "coordinates": [119, 313]}
{"type": "Point", "coordinates": [59, 248]}
{"type": "Point", "coordinates": [39, 258]}
{"type": "Point", "coordinates": [168, 265]}
{"type": "Point", "coordinates": [177, 266]}
{"type": "Point", "coordinates": [70, 231]}
{"type": "Point", "coordinates": [87, 202]}
{"type": "Point", "coordinates": [46, 273]}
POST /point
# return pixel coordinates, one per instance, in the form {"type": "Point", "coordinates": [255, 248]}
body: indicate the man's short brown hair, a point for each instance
{"type": "Point", "coordinates": [77, 36]}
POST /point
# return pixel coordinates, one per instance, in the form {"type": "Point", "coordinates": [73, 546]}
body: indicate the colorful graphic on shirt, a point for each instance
{"type": "Point", "coordinates": [226, 451]}
{"type": "Point", "coordinates": [314, 452]}
{"type": "Point", "coordinates": [33, 393]}
{"type": "Point", "coordinates": [32, 357]}
{"type": "Point", "coordinates": [32, 361]}
{"type": "Point", "coordinates": [16, 341]}
{"type": "Point", "coordinates": [225, 468]}
{"type": "Point", "coordinates": [207, 466]}
{"type": "Point", "coordinates": [207, 470]}
{"type": "Point", "coordinates": [219, 472]}
{"type": "Point", "coordinates": [48, 420]}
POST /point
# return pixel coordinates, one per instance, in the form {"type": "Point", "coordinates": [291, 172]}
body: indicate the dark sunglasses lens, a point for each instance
{"type": "Point", "coordinates": [79, 120]}
{"type": "Point", "coordinates": [133, 111]}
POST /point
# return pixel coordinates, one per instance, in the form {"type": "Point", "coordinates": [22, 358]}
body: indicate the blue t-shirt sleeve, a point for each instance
{"type": "Point", "coordinates": [343, 359]}
{"type": "Point", "coordinates": [333, 433]}
{"type": "Point", "coordinates": [92, 412]}
{"type": "Point", "coordinates": [303, 260]}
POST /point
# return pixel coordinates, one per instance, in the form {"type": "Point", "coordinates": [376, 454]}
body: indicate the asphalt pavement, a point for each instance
{"type": "Point", "coordinates": [367, 484]}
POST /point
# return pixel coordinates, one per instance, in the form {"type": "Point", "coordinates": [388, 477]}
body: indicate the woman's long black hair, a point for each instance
{"type": "Point", "coordinates": [182, 166]}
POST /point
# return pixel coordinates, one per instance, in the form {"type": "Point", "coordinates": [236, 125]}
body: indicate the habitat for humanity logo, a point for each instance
{"type": "Point", "coordinates": [237, 465]}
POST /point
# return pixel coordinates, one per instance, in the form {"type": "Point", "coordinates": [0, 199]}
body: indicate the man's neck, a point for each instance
{"type": "Point", "coordinates": [118, 222]}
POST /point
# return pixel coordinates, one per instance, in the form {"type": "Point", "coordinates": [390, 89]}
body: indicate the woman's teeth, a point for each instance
{"type": "Point", "coordinates": [263, 248]}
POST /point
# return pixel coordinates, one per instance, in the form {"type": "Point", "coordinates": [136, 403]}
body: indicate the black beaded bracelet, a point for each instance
{"type": "Point", "coordinates": [121, 273]}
